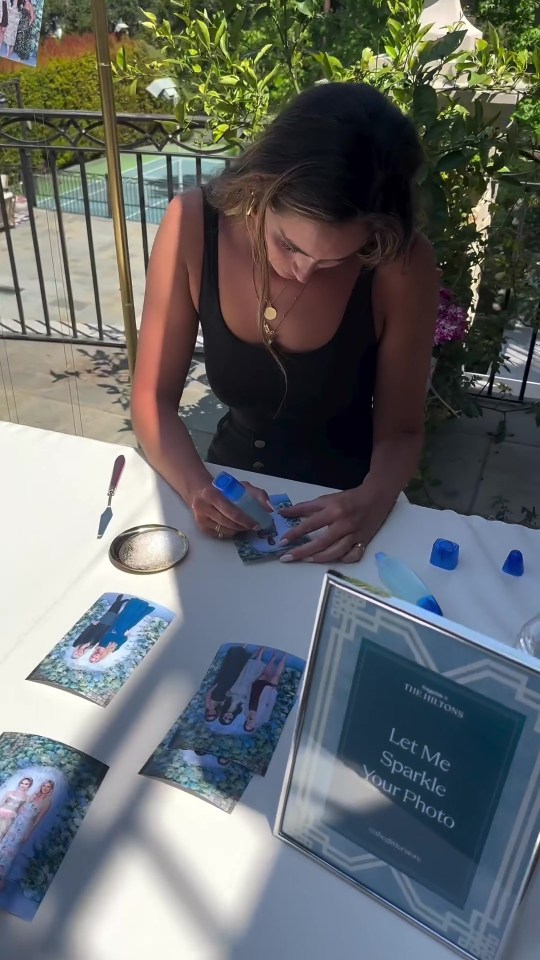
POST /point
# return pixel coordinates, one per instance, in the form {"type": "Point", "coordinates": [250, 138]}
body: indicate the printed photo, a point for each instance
{"type": "Point", "coordinates": [20, 27]}
{"type": "Point", "coordinates": [215, 779]}
{"type": "Point", "coordinates": [265, 545]}
{"type": "Point", "coordinates": [46, 788]}
{"type": "Point", "coordinates": [96, 657]}
{"type": "Point", "coordinates": [240, 708]}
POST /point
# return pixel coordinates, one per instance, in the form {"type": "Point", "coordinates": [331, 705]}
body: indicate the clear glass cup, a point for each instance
{"type": "Point", "coordinates": [529, 637]}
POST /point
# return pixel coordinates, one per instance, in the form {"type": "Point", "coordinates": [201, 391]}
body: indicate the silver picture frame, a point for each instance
{"type": "Point", "coordinates": [459, 880]}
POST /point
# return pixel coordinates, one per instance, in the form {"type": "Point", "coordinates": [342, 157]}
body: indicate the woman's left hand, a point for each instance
{"type": "Point", "coordinates": [352, 519]}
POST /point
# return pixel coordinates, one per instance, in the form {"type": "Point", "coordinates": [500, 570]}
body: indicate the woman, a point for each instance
{"type": "Point", "coordinates": [11, 803]}
{"type": "Point", "coordinates": [231, 667]}
{"type": "Point", "coordinates": [131, 615]}
{"type": "Point", "coordinates": [31, 815]}
{"type": "Point", "coordinates": [317, 299]}
{"type": "Point", "coordinates": [94, 632]}
{"type": "Point", "coordinates": [237, 698]}
{"type": "Point", "coordinates": [263, 694]}
{"type": "Point", "coordinates": [15, 8]}
{"type": "Point", "coordinates": [23, 42]}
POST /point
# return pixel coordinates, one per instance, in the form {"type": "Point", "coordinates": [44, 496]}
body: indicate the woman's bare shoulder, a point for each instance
{"type": "Point", "coordinates": [182, 225]}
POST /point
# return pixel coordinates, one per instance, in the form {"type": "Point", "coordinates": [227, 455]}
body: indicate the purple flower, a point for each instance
{"type": "Point", "coordinates": [452, 322]}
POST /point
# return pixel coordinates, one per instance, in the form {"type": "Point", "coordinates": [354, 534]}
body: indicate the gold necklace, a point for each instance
{"type": "Point", "coordinates": [270, 333]}
{"type": "Point", "coordinates": [270, 312]}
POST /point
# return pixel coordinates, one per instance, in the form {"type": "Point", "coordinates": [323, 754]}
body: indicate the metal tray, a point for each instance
{"type": "Point", "coordinates": [139, 550]}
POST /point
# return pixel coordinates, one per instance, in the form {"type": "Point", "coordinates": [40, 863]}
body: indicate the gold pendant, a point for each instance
{"type": "Point", "coordinates": [270, 312]}
{"type": "Point", "coordinates": [269, 334]}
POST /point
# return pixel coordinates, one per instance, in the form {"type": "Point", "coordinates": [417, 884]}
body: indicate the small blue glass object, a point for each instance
{"type": "Point", "coordinates": [429, 603]}
{"type": "Point", "coordinates": [445, 554]}
{"type": "Point", "coordinates": [514, 564]}
{"type": "Point", "coordinates": [229, 486]}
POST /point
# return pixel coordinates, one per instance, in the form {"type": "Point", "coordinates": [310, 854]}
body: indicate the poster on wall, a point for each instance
{"type": "Point", "coordinates": [20, 28]}
{"type": "Point", "coordinates": [415, 770]}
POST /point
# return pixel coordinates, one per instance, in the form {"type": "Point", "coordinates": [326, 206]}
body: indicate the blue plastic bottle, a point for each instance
{"type": "Point", "coordinates": [403, 583]}
{"type": "Point", "coordinates": [236, 493]}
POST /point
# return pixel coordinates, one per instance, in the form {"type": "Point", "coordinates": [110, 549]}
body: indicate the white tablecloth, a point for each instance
{"type": "Point", "coordinates": [153, 869]}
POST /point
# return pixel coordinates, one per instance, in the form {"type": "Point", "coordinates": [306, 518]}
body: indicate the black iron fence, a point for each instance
{"type": "Point", "coordinates": [51, 158]}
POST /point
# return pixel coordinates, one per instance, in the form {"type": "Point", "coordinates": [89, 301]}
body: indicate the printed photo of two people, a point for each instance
{"type": "Point", "coordinates": [96, 657]}
{"type": "Point", "coordinates": [232, 725]}
{"type": "Point", "coordinates": [20, 27]}
{"type": "Point", "coordinates": [265, 544]}
{"type": "Point", "coordinates": [46, 788]}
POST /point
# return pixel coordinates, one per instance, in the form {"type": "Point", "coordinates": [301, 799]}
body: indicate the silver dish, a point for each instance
{"type": "Point", "coordinates": [148, 548]}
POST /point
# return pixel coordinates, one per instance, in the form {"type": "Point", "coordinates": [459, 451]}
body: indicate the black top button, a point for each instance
{"type": "Point", "coordinates": [260, 444]}
{"type": "Point", "coordinates": [258, 465]}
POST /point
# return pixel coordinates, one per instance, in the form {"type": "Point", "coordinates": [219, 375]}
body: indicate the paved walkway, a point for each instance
{"type": "Point", "coordinates": [473, 468]}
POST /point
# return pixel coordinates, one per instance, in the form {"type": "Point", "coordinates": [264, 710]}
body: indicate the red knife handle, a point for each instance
{"type": "Point", "coordinates": [118, 468]}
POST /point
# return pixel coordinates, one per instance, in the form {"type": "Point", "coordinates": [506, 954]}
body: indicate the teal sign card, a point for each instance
{"type": "Point", "coordinates": [416, 766]}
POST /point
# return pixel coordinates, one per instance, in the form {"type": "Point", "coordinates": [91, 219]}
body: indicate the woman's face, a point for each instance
{"type": "Point", "coordinates": [297, 247]}
{"type": "Point", "coordinates": [47, 787]}
{"type": "Point", "coordinates": [25, 784]}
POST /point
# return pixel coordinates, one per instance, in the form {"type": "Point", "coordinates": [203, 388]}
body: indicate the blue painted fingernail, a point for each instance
{"type": "Point", "coordinates": [286, 558]}
{"type": "Point", "coordinates": [283, 540]}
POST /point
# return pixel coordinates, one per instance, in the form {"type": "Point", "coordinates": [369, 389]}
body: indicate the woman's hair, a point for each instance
{"type": "Point", "coordinates": [40, 791]}
{"type": "Point", "coordinates": [336, 151]}
{"type": "Point", "coordinates": [226, 708]}
{"type": "Point", "coordinates": [28, 780]}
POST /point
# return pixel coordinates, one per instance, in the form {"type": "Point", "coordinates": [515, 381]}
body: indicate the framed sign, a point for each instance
{"type": "Point", "coordinates": [415, 769]}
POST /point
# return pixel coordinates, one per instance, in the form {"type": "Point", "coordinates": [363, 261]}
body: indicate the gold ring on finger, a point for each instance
{"type": "Point", "coordinates": [219, 531]}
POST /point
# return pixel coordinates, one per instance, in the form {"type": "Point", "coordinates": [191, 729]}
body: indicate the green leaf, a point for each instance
{"type": "Point", "coordinates": [442, 49]}
{"type": "Point", "coordinates": [133, 88]}
{"type": "Point", "coordinates": [237, 26]}
{"type": "Point", "coordinates": [201, 28]}
{"type": "Point", "coordinates": [220, 32]}
{"type": "Point", "coordinates": [223, 46]}
{"type": "Point", "coordinates": [269, 77]}
{"type": "Point", "coordinates": [304, 7]}
{"type": "Point", "coordinates": [390, 51]}
{"type": "Point", "coordinates": [394, 27]}
{"type": "Point", "coordinates": [262, 52]}
{"type": "Point", "coordinates": [180, 112]}
{"type": "Point", "coordinates": [425, 105]}
{"type": "Point", "coordinates": [453, 160]}
{"type": "Point", "coordinates": [229, 80]}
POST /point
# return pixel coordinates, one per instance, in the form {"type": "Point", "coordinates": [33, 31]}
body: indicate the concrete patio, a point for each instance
{"type": "Point", "coordinates": [85, 389]}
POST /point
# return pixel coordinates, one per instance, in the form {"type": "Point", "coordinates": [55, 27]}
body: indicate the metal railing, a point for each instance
{"type": "Point", "coordinates": [52, 153]}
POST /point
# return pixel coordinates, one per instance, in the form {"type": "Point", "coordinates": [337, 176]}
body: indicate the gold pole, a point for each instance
{"type": "Point", "coordinates": [101, 34]}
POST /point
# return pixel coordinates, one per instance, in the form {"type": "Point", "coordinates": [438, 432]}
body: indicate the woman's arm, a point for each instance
{"type": "Point", "coordinates": [44, 807]}
{"type": "Point", "coordinates": [166, 343]}
{"type": "Point", "coordinates": [32, 12]}
{"type": "Point", "coordinates": [407, 294]}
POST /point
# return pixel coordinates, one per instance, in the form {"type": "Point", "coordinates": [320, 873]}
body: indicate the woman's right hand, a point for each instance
{"type": "Point", "coordinates": [215, 515]}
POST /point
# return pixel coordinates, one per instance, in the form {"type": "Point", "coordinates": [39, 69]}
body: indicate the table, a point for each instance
{"type": "Point", "coordinates": [153, 869]}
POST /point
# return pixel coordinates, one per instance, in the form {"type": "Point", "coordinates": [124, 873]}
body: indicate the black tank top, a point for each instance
{"type": "Point", "coordinates": [318, 431]}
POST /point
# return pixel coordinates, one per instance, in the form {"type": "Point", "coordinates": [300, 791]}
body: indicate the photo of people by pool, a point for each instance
{"type": "Point", "coordinates": [241, 706]}
{"type": "Point", "coordinates": [96, 657]}
{"type": "Point", "coordinates": [45, 790]}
